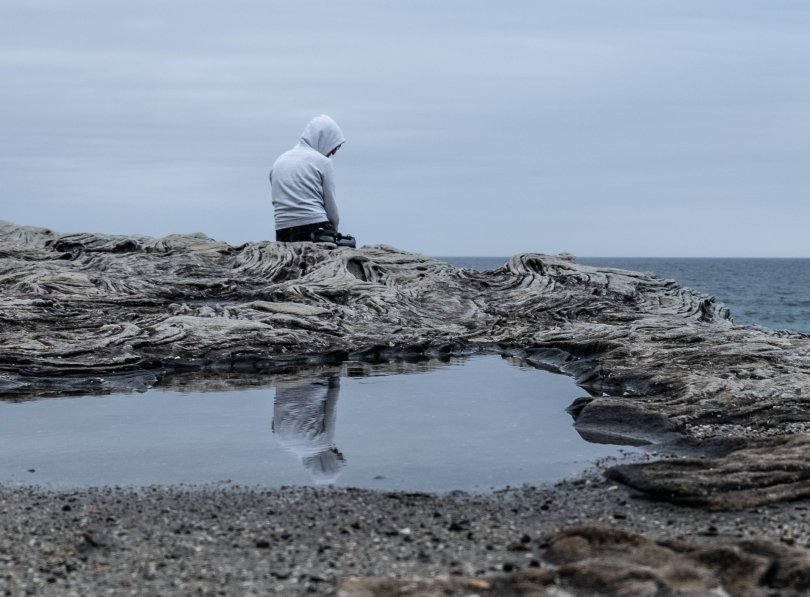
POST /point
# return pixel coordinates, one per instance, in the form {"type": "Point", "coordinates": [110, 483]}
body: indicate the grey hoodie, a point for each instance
{"type": "Point", "coordinates": [302, 179]}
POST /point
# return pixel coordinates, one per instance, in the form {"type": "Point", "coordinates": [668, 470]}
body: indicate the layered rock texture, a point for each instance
{"type": "Point", "coordinates": [661, 364]}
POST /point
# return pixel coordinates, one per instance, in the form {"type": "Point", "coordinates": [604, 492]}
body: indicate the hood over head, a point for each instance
{"type": "Point", "coordinates": [323, 134]}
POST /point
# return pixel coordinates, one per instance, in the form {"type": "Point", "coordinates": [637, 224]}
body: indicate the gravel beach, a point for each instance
{"type": "Point", "coordinates": [224, 540]}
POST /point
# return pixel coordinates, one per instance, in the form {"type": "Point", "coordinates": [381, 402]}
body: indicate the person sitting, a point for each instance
{"type": "Point", "coordinates": [303, 185]}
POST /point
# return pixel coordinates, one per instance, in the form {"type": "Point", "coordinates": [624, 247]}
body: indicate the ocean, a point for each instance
{"type": "Point", "coordinates": [773, 293]}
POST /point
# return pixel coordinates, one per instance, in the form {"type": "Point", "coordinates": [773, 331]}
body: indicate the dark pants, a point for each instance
{"type": "Point", "coordinates": [300, 233]}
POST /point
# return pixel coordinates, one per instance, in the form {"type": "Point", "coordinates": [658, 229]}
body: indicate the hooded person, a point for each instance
{"type": "Point", "coordinates": [303, 182]}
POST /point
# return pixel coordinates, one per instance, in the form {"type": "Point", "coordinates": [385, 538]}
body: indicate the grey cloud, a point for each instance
{"type": "Point", "coordinates": [472, 128]}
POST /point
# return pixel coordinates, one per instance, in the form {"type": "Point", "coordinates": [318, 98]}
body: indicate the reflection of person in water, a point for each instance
{"type": "Point", "coordinates": [304, 424]}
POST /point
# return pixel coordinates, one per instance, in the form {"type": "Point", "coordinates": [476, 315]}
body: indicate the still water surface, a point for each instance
{"type": "Point", "coordinates": [476, 424]}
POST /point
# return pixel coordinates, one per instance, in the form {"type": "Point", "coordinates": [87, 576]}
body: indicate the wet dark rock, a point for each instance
{"type": "Point", "coordinates": [595, 560]}
{"type": "Point", "coordinates": [623, 421]}
{"type": "Point", "coordinates": [601, 560]}
{"type": "Point", "coordinates": [767, 471]}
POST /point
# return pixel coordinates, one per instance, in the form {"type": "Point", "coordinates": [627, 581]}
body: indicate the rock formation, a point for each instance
{"type": "Point", "coordinates": [662, 364]}
{"type": "Point", "coordinates": [603, 561]}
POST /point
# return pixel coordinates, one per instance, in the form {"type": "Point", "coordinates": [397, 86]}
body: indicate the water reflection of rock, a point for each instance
{"type": "Point", "coordinates": [304, 424]}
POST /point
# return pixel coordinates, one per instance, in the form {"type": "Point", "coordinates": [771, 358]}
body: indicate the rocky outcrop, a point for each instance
{"type": "Point", "coordinates": [661, 363]}
{"type": "Point", "coordinates": [603, 561]}
{"type": "Point", "coordinates": [761, 472]}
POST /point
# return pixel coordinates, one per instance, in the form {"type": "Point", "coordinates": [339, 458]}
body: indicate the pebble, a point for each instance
{"type": "Point", "coordinates": [290, 541]}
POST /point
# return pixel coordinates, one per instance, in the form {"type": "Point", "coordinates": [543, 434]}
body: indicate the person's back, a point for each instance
{"type": "Point", "coordinates": [302, 181]}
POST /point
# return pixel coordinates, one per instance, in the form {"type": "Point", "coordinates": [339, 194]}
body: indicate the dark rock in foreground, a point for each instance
{"type": "Point", "coordinates": [598, 560]}
{"type": "Point", "coordinates": [761, 473]}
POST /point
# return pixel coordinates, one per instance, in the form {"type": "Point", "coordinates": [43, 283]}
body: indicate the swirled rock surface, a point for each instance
{"type": "Point", "coordinates": [662, 363]}
{"type": "Point", "coordinates": [728, 406]}
{"type": "Point", "coordinates": [91, 304]}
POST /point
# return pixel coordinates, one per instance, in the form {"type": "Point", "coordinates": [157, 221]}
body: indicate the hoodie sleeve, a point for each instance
{"type": "Point", "coordinates": [329, 202]}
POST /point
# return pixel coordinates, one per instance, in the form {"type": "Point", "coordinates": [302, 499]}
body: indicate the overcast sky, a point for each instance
{"type": "Point", "coordinates": [601, 128]}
